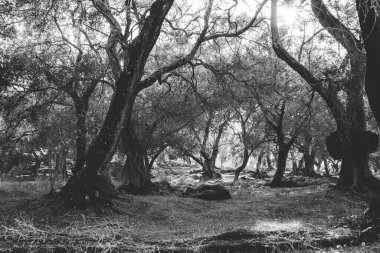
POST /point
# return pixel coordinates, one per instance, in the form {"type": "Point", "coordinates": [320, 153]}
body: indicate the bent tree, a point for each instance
{"type": "Point", "coordinates": [349, 115]}
{"type": "Point", "coordinates": [369, 20]}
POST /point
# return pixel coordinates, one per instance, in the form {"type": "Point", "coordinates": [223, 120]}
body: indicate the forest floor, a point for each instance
{"type": "Point", "coordinates": [313, 218]}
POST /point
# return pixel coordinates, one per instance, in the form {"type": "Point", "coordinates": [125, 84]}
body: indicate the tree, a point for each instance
{"type": "Point", "coordinates": [369, 20]}
{"type": "Point", "coordinates": [349, 119]}
{"type": "Point", "coordinates": [117, 61]}
{"type": "Point", "coordinates": [88, 187]}
{"type": "Point", "coordinates": [277, 118]}
{"type": "Point", "coordinates": [207, 131]}
{"type": "Point", "coordinates": [159, 114]}
{"type": "Point", "coordinates": [79, 82]}
{"type": "Point", "coordinates": [251, 134]}
{"type": "Point", "coordinates": [128, 67]}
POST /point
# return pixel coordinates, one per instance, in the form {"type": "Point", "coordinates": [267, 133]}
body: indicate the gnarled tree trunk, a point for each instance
{"type": "Point", "coordinates": [81, 108]}
{"type": "Point", "coordinates": [135, 167]}
{"type": "Point", "coordinates": [369, 19]}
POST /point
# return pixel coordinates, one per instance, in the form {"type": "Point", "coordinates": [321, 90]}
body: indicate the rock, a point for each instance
{"type": "Point", "coordinates": [211, 192]}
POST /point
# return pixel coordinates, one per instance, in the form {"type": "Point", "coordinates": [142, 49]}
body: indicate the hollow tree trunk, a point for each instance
{"type": "Point", "coordinates": [283, 151]}
{"type": "Point", "coordinates": [243, 164]}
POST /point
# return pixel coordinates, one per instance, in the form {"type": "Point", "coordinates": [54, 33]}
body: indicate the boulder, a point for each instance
{"type": "Point", "coordinates": [211, 192]}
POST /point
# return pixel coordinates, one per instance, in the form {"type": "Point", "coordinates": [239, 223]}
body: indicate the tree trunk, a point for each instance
{"type": "Point", "coordinates": [36, 166]}
{"type": "Point", "coordinates": [81, 108]}
{"type": "Point", "coordinates": [90, 186]}
{"type": "Point", "coordinates": [269, 162]}
{"type": "Point", "coordinates": [259, 162]}
{"type": "Point", "coordinates": [354, 171]}
{"type": "Point", "coordinates": [326, 168]}
{"type": "Point", "coordinates": [243, 164]}
{"type": "Point", "coordinates": [301, 164]}
{"type": "Point", "coordinates": [283, 151]}
{"type": "Point", "coordinates": [207, 170]}
{"type": "Point", "coordinates": [208, 167]}
{"type": "Point", "coordinates": [295, 167]}
{"type": "Point", "coordinates": [369, 19]}
{"type": "Point", "coordinates": [135, 167]}
{"type": "Point", "coordinates": [309, 159]}
{"type": "Point", "coordinates": [64, 164]}
{"type": "Point", "coordinates": [60, 163]}
{"type": "Point", "coordinates": [294, 164]}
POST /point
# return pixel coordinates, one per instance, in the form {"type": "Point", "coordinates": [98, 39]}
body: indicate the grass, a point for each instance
{"type": "Point", "coordinates": [27, 188]}
{"type": "Point", "coordinates": [147, 221]}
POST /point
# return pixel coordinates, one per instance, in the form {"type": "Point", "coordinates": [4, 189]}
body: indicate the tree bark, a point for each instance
{"type": "Point", "coordinates": [309, 159]}
{"type": "Point", "coordinates": [369, 19]}
{"type": "Point", "coordinates": [135, 166]}
{"type": "Point", "coordinates": [81, 108]}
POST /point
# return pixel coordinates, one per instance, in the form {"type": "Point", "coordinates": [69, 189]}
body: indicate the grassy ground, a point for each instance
{"type": "Point", "coordinates": [147, 221]}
